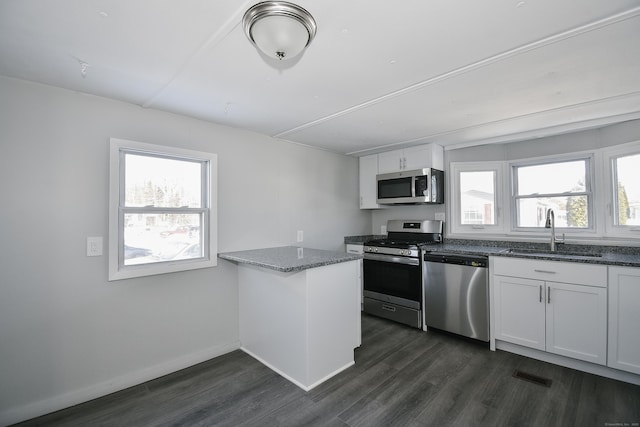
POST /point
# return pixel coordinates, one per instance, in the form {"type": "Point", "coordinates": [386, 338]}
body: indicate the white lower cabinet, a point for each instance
{"type": "Point", "coordinates": [552, 306]}
{"type": "Point", "coordinates": [520, 314]}
{"type": "Point", "coordinates": [577, 322]}
{"type": "Point", "coordinates": [358, 249]}
{"type": "Point", "coordinates": [624, 319]}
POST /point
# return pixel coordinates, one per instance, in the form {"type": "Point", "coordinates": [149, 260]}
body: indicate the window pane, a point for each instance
{"type": "Point", "coordinates": [628, 197]}
{"type": "Point", "coordinates": [162, 182]}
{"type": "Point", "coordinates": [571, 212]}
{"type": "Point", "coordinates": [477, 197]}
{"type": "Point", "coordinates": [152, 238]}
{"type": "Point", "coordinates": [552, 178]}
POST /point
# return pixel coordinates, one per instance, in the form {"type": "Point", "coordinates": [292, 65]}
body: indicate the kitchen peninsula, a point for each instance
{"type": "Point", "coordinates": [299, 310]}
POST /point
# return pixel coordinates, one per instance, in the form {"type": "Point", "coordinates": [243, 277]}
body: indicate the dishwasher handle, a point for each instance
{"type": "Point", "coordinates": [458, 259]}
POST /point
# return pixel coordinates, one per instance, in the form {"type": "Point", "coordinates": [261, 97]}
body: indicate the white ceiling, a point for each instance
{"type": "Point", "coordinates": [379, 74]}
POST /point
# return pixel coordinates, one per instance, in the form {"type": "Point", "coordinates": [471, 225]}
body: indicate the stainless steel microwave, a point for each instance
{"type": "Point", "coordinates": [411, 187]}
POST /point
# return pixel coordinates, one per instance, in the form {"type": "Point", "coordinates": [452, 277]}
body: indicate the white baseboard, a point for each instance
{"type": "Point", "coordinates": [75, 397]}
{"type": "Point", "coordinates": [293, 380]}
{"type": "Point", "coordinates": [567, 362]}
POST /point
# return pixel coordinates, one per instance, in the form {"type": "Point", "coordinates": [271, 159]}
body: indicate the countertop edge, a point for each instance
{"type": "Point", "coordinates": [319, 258]}
{"type": "Point", "coordinates": [613, 259]}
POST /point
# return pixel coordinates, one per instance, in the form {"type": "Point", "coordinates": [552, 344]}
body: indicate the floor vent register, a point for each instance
{"type": "Point", "coordinates": [531, 378]}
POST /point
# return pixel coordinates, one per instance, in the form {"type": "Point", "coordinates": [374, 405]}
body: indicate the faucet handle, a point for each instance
{"type": "Point", "coordinates": [560, 240]}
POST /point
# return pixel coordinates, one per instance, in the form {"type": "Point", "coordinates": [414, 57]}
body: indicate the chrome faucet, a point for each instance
{"type": "Point", "coordinates": [551, 223]}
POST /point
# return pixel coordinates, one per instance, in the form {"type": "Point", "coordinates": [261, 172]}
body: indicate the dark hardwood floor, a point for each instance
{"type": "Point", "coordinates": [402, 377]}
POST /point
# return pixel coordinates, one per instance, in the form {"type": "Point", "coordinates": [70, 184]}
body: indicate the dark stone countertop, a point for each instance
{"type": "Point", "coordinates": [288, 258]}
{"type": "Point", "coordinates": [587, 254]}
{"type": "Point", "coordinates": [360, 240]}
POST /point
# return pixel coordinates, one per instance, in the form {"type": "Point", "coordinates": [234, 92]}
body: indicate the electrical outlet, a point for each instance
{"type": "Point", "coordinates": [300, 253]}
{"type": "Point", "coordinates": [439, 216]}
{"type": "Point", "coordinates": [300, 236]}
{"type": "Point", "coordinates": [94, 246]}
{"type": "Point", "coordinates": [383, 229]}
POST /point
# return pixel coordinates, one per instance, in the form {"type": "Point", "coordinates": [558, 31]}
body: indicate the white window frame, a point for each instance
{"type": "Point", "coordinates": [590, 184]}
{"type": "Point", "coordinates": [117, 269]}
{"type": "Point", "coordinates": [455, 216]}
{"type": "Point", "coordinates": [610, 155]}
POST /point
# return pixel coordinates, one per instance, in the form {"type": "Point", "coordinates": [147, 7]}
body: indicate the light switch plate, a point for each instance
{"type": "Point", "coordinates": [94, 246]}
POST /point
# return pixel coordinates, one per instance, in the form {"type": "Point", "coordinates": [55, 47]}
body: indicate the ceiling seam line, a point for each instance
{"type": "Point", "coordinates": [556, 38]}
{"type": "Point", "coordinates": [480, 126]}
{"type": "Point", "coordinates": [527, 135]}
{"type": "Point", "coordinates": [506, 138]}
{"type": "Point", "coordinates": [215, 38]}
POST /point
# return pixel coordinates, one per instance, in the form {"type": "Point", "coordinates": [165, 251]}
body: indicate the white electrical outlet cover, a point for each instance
{"type": "Point", "coordinates": [94, 246]}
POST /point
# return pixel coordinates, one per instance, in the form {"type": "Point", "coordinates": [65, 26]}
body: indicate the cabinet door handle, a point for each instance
{"type": "Point", "coordinates": [545, 271]}
{"type": "Point", "coordinates": [400, 164]}
{"type": "Point", "coordinates": [540, 296]}
{"type": "Point", "coordinates": [388, 307]}
{"type": "Point", "coordinates": [548, 294]}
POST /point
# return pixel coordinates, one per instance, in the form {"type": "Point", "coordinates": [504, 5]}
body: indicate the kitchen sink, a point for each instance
{"type": "Point", "coordinates": [547, 252]}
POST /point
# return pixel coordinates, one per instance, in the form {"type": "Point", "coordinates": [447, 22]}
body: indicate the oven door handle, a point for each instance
{"type": "Point", "coordinates": [392, 259]}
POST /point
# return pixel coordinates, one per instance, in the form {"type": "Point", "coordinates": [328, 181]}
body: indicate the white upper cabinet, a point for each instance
{"type": "Point", "coordinates": [391, 161]}
{"type": "Point", "coordinates": [422, 156]}
{"type": "Point", "coordinates": [624, 319]}
{"type": "Point", "coordinates": [368, 186]}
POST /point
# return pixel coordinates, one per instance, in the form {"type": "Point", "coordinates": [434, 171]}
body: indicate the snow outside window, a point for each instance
{"type": "Point", "coordinates": [162, 216]}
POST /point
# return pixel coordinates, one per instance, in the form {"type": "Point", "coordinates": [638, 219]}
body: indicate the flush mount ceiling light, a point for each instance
{"type": "Point", "coordinates": [279, 29]}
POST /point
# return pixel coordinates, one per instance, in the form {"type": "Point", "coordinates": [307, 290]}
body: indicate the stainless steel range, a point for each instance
{"type": "Point", "coordinates": [394, 270]}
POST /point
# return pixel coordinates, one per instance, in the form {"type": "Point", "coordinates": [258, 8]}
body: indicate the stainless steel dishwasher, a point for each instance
{"type": "Point", "coordinates": [456, 294]}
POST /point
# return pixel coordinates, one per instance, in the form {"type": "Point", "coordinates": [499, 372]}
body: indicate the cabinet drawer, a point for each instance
{"type": "Point", "coordinates": [552, 271]}
{"type": "Point", "coordinates": [408, 316]}
{"type": "Point", "coordinates": [353, 248]}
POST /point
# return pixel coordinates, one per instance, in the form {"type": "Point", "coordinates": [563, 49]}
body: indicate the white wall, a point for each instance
{"type": "Point", "coordinates": [555, 145]}
{"type": "Point", "coordinates": [66, 333]}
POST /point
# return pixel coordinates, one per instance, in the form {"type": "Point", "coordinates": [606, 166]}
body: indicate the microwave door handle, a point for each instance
{"type": "Point", "coordinates": [414, 181]}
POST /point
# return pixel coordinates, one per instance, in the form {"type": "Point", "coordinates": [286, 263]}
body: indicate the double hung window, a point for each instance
{"type": "Point", "coordinates": [564, 186]}
{"type": "Point", "coordinates": [625, 179]}
{"type": "Point", "coordinates": [162, 216]}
